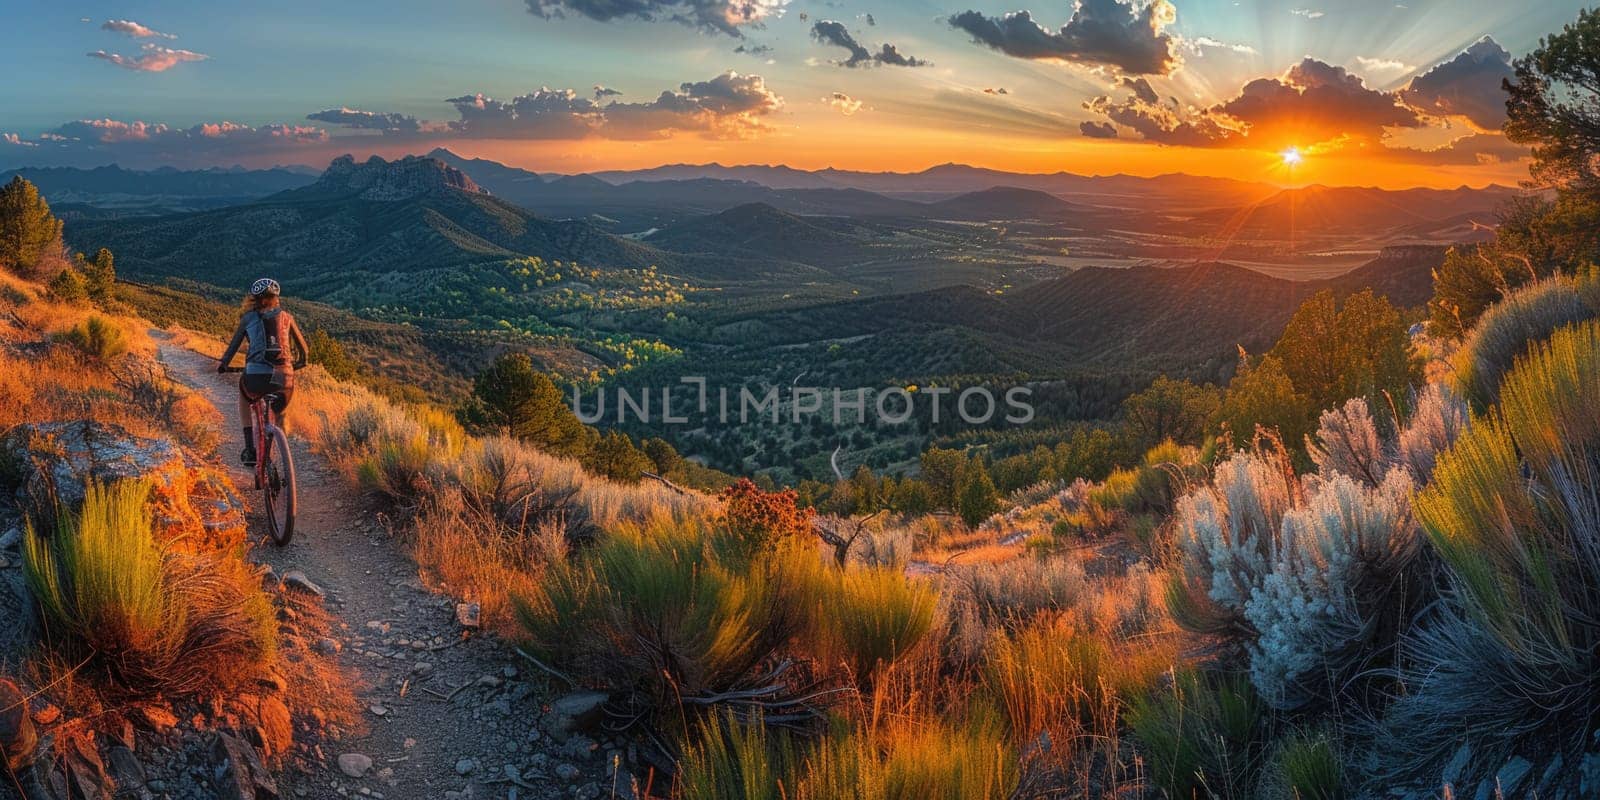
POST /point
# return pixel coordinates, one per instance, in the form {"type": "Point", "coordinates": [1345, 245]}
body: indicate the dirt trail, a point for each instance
{"type": "Point", "coordinates": [405, 645]}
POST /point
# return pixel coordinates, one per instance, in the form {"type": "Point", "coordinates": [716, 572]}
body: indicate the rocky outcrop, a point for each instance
{"type": "Point", "coordinates": [401, 179]}
{"type": "Point", "coordinates": [53, 462]}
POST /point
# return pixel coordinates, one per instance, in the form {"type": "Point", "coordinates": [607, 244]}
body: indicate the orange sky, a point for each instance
{"type": "Point", "coordinates": [900, 150]}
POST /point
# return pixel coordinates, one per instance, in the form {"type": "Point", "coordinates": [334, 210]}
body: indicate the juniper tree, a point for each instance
{"type": "Point", "coordinates": [29, 233]}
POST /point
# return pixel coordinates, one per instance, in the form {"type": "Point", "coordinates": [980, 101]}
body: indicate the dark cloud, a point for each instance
{"type": "Point", "coordinates": [1315, 102]}
{"type": "Point", "coordinates": [725, 16]}
{"type": "Point", "coordinates": [753, 49]}
{"type": "Point", "coordinates": [893, 57]}
{"type": "Point", "coordinates": [1141, 88]}
{"type": "Point", "coordinates": [1098, 130]}
{"type": "Point", "coordinates": [542, 114]}
{"type": "Point", "coordinates": [1467, 85]}
{"type": "Point", "coordinates": [833, 32]}
{"type": "Point", "coordinates": [602, 92]}
{"type": "Point", "coordinates": [151, 58]}
{"type": "Point", "coordinates": [996, 90]}
{"type": "Point", "coordinates": [1474, 149]}
{"type": "Point", "coordinates": [1310, 103]}
{"type": "Point", "coordinates": [368, 120]}
{"type": "Point", "coordinates": [1163, 123]}
{"type": "Point", "coordinates": [1100, 32]}
{"type": "Point", "coordinates": [871, 21]}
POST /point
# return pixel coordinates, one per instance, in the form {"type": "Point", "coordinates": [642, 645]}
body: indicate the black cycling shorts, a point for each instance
{"type": "Point", "coordinates": [254, 386]}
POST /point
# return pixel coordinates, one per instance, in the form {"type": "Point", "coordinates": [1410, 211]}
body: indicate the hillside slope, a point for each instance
{"type": "Point", "coordinates": [357, 222]}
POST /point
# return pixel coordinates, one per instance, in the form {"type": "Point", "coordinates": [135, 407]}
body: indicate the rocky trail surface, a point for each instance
{"type": "Point", "coordinates": [444, 711]}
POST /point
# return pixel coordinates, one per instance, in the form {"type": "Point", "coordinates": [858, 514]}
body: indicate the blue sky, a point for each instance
{"type": "Point", "coordinates": [277, 63]}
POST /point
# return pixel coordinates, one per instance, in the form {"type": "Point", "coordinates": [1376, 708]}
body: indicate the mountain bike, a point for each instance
{"type": "Point", "coordinates": [274, 468]}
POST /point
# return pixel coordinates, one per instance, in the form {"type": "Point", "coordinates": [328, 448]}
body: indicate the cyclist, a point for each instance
{"type": "Point", "coordinates": [268, 364]}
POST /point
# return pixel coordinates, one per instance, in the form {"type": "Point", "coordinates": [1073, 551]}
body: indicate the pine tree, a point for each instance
{"type": "Point", "coordinates": [326, 351]}
{"type": "Point", "coordinates": [29, 234]}
{"type": "Point", "coordinates": [978, 498]}
{"type": "Point", "coordinates": [510, 396]}
{"type": "Point", "coordinates": [615, 457]}
{"type": "Point", "coordinates": [100, 274]}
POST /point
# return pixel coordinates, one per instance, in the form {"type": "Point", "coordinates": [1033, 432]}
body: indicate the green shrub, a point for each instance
{"type": "Point", "coordinates": [865, 616]}
{"type": "Point", "coordinates": [100, 576]}
{"type": "Point", "coordinates": [97, 338]}
{"type": "Point", "coordinates": [670, 609]}
{"type": "Point", "coordinates": [1509, 329]}
{"type": "Point", "coordinates": [1202, 737]}
{"type": "Point", "coordinates": [68, 287]}
{"type": "Point", "coordinates": [1511, 656]}
{"type": "Point", "coordinates": [156, 618]}
{"type": "Point", "coordinates": [1310, 767]}
{"type": "Point", "coordinates": [910, 761]}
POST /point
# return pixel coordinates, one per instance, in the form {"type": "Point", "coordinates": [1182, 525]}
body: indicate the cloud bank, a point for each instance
{"type": "Point", "coordinates": [720, 16]}
{"type": "Point", "coordinates": [1467, 86]}
{"type": "Point", "coordinates": [1110, 33]}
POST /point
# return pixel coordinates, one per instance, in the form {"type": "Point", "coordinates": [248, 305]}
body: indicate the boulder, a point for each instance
{"type": "Point", "coordinates": [58, 459]}
{"type": "Point", "coordinates": [575, 712]}
{"type": "Point", "coordinates": [127, 774]}
{"type": "Point", "coordinates": [355, 765]}
{"type": "Point", "coordinates": [295, 580]}
{"type": "Point", "coordinates": [237, 771]}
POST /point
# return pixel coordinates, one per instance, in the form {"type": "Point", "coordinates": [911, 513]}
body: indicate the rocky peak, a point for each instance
{"type": "Point", "coordinates": [401, 179]}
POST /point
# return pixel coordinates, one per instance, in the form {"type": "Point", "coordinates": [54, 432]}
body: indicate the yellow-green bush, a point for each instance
{"type": "Point", "coordinates": [1512, 326]}
{"type": "Point", "coordinates": [674, 608]}
{"type": "Point", "coordinates": [96, 337]}
{"type": "Point", "coordinates": [1202, 737]}
{"type": "Point", "coordinates": [864, 616]}
{"type": "Point", "coordinates": [1310, 767]}
{"type": "Point", "coordinates": [1048, 678]}
{"type": "Point", "coordinates": [156, 619]}
{"type": "Point", "coordinates": [925, 760]}
{"type": "Point", "coordinates": [1511, 656]}
{"type": "Point", "coordinates": [100, 575]}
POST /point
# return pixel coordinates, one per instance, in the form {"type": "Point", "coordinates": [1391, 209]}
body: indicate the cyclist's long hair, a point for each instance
{"type": "Point", "coordinates": [253, 303]}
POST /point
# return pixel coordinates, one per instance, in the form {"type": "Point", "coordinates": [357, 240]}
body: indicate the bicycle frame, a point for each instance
{"type": "Point", "coordinates": [275, 479]}
{"type": "Point", "coordinates": [261, 413]}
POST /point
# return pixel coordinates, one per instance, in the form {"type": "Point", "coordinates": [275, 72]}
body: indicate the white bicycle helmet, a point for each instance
{"type": "Point", "coordinates": [265, 287]}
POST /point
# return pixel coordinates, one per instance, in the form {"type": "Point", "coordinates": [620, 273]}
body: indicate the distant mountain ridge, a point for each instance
{"type": "Point", "coordinates": [401, 179]}
{"type": "Point", "coordinates": [358, 222]}
{"type": "Point", "coordinates": [165, 188]}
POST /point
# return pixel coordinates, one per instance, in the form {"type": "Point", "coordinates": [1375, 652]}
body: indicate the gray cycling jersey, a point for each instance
{"type": "Point", "coordinates": [253, 326]}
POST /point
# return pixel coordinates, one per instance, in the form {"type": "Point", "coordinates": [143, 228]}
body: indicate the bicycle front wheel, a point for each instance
{"type": "Point", "coordinates": [278, 488]}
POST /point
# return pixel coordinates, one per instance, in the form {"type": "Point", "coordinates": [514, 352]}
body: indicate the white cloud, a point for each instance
{"type": "Point", "coordinates": [845, 104]}
{"type": "Point", "coordinates": [152, 58]}
{"type": "Point", "coordinates": [133, 29]}
{"type": "Point", "coordinates": [1379, 65]}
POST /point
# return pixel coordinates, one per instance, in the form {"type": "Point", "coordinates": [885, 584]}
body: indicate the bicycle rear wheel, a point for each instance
{"type": "Point", "coordinates": [279, 488]}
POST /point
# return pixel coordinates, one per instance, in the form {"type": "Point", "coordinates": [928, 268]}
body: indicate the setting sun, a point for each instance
{"type": "Point", "coordinates": [1291, 157]}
